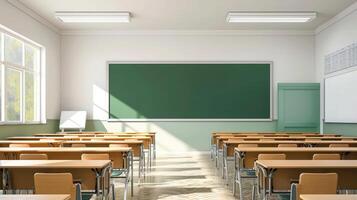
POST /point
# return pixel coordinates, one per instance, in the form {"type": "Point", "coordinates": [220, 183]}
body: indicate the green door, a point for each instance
{"type": "Point", "coordinates": [299, 107]}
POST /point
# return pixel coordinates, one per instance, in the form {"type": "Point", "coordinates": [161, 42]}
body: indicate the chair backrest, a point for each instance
{"type": "Point", "coordinates": [97, 139]}
{"type": "Point", "coordinates": [78, 145]}
{"type": "Point", "coordinates": [235, 139]}
{"type": "Point", "coordinates": [271, 157]}
{"type": "Point", "coordinates": [287, 145]}
{"type": "Point", "coordinates": [54, 183]}
{"type": "Point", "coordinates": [339, 145]}
{"type": "Point", "coordinates": [318, 156]}
{"type": "Point", "coordinates": [33, 157]}
{"type": "Point", "coordinates": [347, 139]}
{"type": "Point", "coordinates": [317, 183]}
{"type": "Point", "coordinates": [312, 139]}
{"type": "Point", "coordinates": [71, 136]}
{"type": "Point", "coordinates": [19, 145]}
{"type": "Point", "coordinates": [247, 145]}
{"type": "Point", "coordinates": [87, 156]}
{"type": "Point", "coordinates": [47, 140]}
{"type": "Point", "coordinates": [267, 139]}
{"type": "Point", "coordinates": [118, 145]}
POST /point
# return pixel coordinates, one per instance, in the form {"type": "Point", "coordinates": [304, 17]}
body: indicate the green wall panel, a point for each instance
{"type": "Point", "coordinates": [25, 129]}
{"type": "Point", "coordinates": [299, 107]}
{"type": "Point", "coordinates": [189, 91]}
{"type": "Point", "coordinates": [344, 129]}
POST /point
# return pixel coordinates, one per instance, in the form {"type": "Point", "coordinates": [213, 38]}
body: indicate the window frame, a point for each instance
{"type": "Point", "coordinates": [39, 79]}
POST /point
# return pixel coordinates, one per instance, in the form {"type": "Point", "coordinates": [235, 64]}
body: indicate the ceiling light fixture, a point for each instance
{"type": "Point", "coordinates": [270, 17]}
{"type": "Point", "coordinates": [93, 17]}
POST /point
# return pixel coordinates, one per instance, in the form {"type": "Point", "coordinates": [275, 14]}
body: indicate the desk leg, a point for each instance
{"type": "Point", "coordinates": [149, 164]}
{"type": "Point", "coordinates": [270, 182]}
{"type": "Point", "coordinates": [132, 173]}
{"type": "Point", "coordinates": [97, 178]}
{"type": "Point", "coordinates": [217, 154]}
{"type": "Point", "coordinates": [5, 179]}
{"type": "Point", "coordinates": [155, 150]}
{"type": "Point", "coordinates": [100, 178]}
{"type": "Point", "coordinates": [223, 159]}
{"type": "Point", "coordinates": [235, 174]}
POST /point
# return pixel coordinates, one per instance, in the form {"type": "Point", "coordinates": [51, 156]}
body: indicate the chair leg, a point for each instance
{"type": "Point", "coordinates": [113, 191]}
{"type": "Point", "coordinates": [234, 183]}
{"type": "Point", "coordinates": [253, 192]}
{"type": "Point", "coordinates": [126, 188]}
{"type": "Point", "coordinates": [240, 190]}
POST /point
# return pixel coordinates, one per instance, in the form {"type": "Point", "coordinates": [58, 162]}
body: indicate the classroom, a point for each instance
{"type": "Point", "coordinates": [178, 99]}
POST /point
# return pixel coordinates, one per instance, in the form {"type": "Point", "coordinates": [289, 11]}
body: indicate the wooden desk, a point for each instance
{"type": "Point", "coordinates": [229, 145]}
{"type": "Point", "coordinates": [35, 197]}
{"type": "Point", "coordinates": [136, 146]}
{"type": "Point", "coordinates": [19, 174]}
{"type": "Point", "coordinates": [32, 143]}
{"type": "Point", "coordinates": [221, 139]}
{"type": "Point", "coordinates": [250, 154]}
{"type": "Point", "coordinates": [328, 197]}
{"type": "Point", "coordinates": [152, 135]}
{"type": "Point", "coordinates": [43, 138]}
{"type": "Point", "coordinates": [146, 141]}
{"type": "Point", "coordinates": [116, 154]}
{"type": "Point", "coordinates": [245, 157]}
{"type": "Point", "coordinates": [279, 173]}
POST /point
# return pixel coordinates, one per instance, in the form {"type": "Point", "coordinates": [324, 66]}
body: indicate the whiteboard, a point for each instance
{"type": "Point", "coordinates": [341, 98]}
{"type": "Point", "coordinates": [73, 120]}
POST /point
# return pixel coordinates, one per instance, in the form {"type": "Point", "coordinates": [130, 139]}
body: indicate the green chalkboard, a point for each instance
{"type": "Point", "coordinates": [190, 91]}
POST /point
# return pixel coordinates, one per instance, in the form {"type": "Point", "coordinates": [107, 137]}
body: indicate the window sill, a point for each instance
{"type": "Point", "coordinates": [18, 123]}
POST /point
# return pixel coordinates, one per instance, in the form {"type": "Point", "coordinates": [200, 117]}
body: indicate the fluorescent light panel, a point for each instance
{"type": "Point", "coordinates": [93, 17]}
{"type": "Point", "coordinates": [270, 17]}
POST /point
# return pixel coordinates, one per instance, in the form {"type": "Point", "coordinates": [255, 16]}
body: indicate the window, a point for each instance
{"type": "Point", "coordinates": [20, 75]}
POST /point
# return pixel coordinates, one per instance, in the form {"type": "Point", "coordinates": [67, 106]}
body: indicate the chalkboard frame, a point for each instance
{"type": "Point", "coordinates": [270, 63]}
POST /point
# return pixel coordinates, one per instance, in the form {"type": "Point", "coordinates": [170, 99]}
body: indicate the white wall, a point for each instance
{"type": "Point", "coordinates": [338, 35]}
{"type": "Point", "coordinates": [84, 72]}
{"type": "Point", "coordinates": [23, 24]}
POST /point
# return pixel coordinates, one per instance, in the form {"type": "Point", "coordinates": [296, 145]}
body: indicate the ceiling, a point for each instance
{"type": "Point", "coordinates": [186, 14]}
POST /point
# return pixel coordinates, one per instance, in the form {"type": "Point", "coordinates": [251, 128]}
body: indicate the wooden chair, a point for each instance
{"type": "Point", "coordinates": [71, 136]}
{"type": "Point", "coordinates": [314, 183]}
{"type": "Point", "coordinates": [247, 145]}
{"type": "Point", "coordinates": [326, 157]}
{"type": "Point", "coordinates": [87, 156]}
{"type": "Point", "coordinates": [312, 139]}
{"type": "Point", "coordinates": [287, 145]}
{"type": "Point", "coordinates": [267, 139]}
{"type": "Point", "coordinates": [33, 157]}
{"type": "Point", "coordinates": [266, 157]}
{"type": "Point", "coordinates": [271, 157]}
{"type": "Point", "coordinates": [115, 173]}
{"type": "Point", "coordinates": [78, 145]}
{"type": "Point", "coordinates": [19, 145]}
{"type": "Point", "coordinates": [118, 145]}
{"type": "Point", "coordinates": [97, 139]}
{"type": "Point", "coordinates": [57, 183]}
{"type": "Point", "coordinates": [47, 140]}
{"type": "Point", "coordinates": [339, 145]}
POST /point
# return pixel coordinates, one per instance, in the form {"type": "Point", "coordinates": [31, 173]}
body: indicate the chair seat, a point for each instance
{"type": "Point", "coordinates": [248, 172]}
{"type": "Point", "coordinates": [117, 172]}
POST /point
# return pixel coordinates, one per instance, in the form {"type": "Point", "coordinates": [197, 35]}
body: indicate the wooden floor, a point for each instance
{"type": "Point", "coordinates": [181, 177]}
